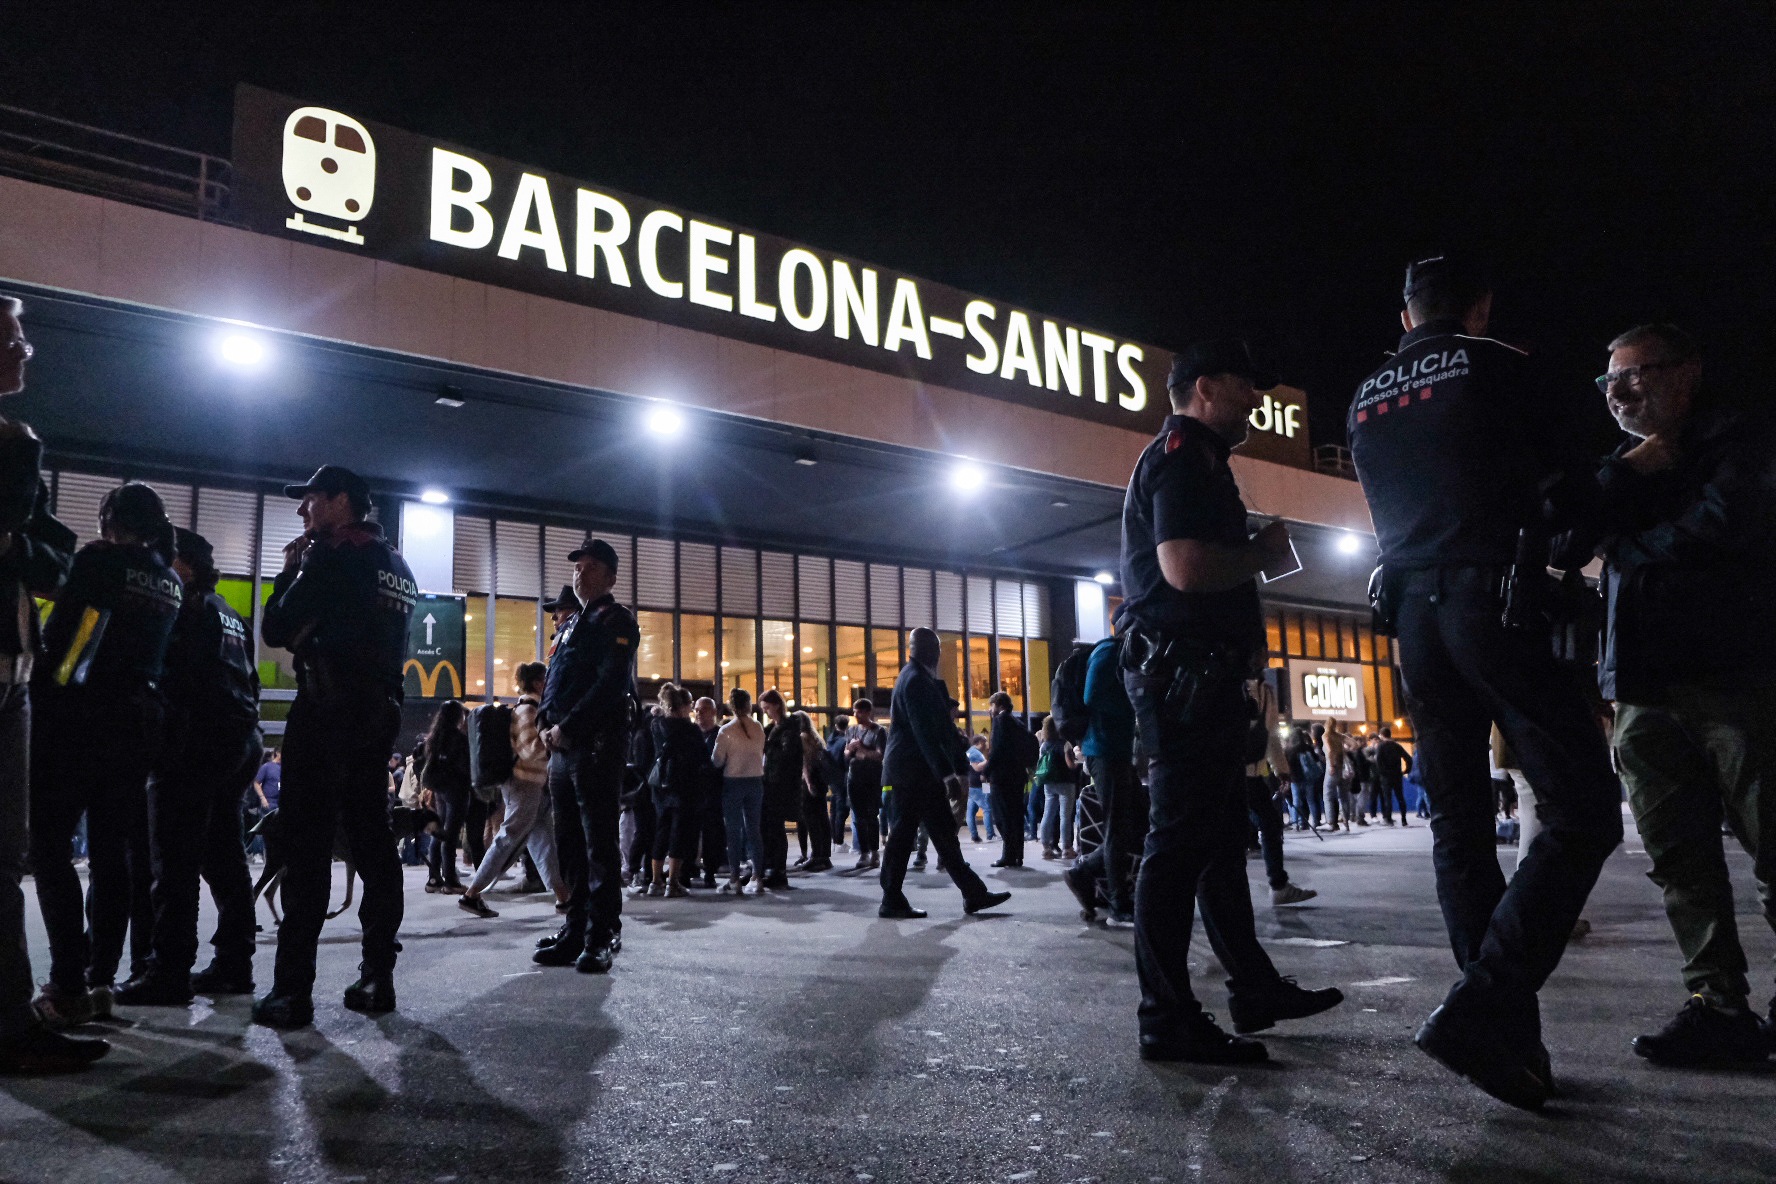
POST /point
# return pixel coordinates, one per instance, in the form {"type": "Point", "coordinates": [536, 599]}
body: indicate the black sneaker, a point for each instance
{"type": "Point", "coordinates": [373, 993]}
{"type": "Point", "coordinates": [152, 990]}
{"type": "Point", "coordinates": [39, 1050]}
{"type": "Point", "coordinates": [1119, 920]}
{"type": "Point", "coordinates": [474, 904]}
{"type": "Point", "coordinates": [1204, 1043]}
{"type": "Point", "coordinates": [596, 959]}
{"type": "Point", "coordinates": [1703, 1034]}
{"type": "Point", "coordinates": [1084, 890]}
{"type": "Point", "coordinates": [1253, 1011]}
{"type": "Point", "coordinates": [991, 900]}
{"type": "Point", "coordinates": [559, 953]}
{"type": "Point", "coordinates": [1511, 1075]}
{"type": "Point", "coordinates": [284, 1011]}
{"type": "Point", "coordinates": [215, 980]}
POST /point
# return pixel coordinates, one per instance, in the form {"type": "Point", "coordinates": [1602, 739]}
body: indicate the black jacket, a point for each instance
{"type": "Point", "coordinates": [783, 756]}
{"type": "Point", "coordinates": [591, 679]}
{"type": "Point", "coordinates": [924, 746]}
{"type": "Point", "coordinates": [678, 742]}
{"type": "Point", "coordinates": [111, 624]}
{"type": "Point", "coordinates": [1689, 555]}
{"type": "Point", "coordinates": [210, 677]}
{"type": "Point", "coordinates": [446, 771]}
{"type": "Point", "coordinates": [42, 548]}
{"type": "Point", "coordinates": [1005, 765]}
{"type": "Point", "coordinates": [343, 613]}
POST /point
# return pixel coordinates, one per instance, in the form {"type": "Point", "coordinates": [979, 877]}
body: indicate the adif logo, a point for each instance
{"type": "Point", "coordinates": [329, 170]}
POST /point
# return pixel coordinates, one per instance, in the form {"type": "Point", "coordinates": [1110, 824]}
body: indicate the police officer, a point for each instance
{"type": "Point", "coordinates": [198, 792]}
{"type": "Point", "coordinates": [1194, 632]}
{"type": "Point", "coordinates": [341, 606]}
{"type": "Point", "coordinates": [1461, 443]}
{"type": "Point", "coordinates": [586, 712]}
{"type": "Point", "coordinates": [98, 727]}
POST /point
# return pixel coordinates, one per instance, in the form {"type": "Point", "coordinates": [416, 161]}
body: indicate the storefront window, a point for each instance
{"type": "Point", "coordinates": [949, 668]}
{"type": "Point", "coordinates": [275, 669]}
{"type": "Point", "coordinates": [654, 660]}
{"type": "Point", "coordinates": [514, 641]}
{"type": "Point", "coordinates": [475, 647]}
{"type": "Point", "coordinates": [696, 663]}
{"type": "Point", "coordinates": [1365, 644]}
{"type": "Point", "coordinates": [848, 661]}
{"type": "Point", "coordinates": [779, 670]}
{"type": "Point", "coordinates": [739, 655]}
{"type": "Point", "coordinates": [1310, 626]}
{"type": "Point", "coordinates": [1011, 671]}
{"type": "Point", "coordinates": [816, 664]}
{"type": "Point", "coordinates": [1273, 632]}
{"type": "Point", "coordinates": [980, 680]}
{"type": "Point", "coordinates": [886, 644]}
{"type": "Point", "coordinates": [1037, 651]}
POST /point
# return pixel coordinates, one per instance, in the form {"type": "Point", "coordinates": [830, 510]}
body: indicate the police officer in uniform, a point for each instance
{"type": "Point", "coordinates": [198, 792]}
{"type": "Point", "coordinates": [341, 606]}
{"type": "Point", "coordinates": [1194, 633]}
{"type": "Point", "coordinates": [1468, 456]}
{"type": "Point", "coordinates": [588, 698]}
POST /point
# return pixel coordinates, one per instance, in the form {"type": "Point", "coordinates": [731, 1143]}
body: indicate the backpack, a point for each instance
{"type": "Point", "coordinates": [491, 759]}
{"type": "Point", "coordinates": [1066, 694]}
{"type": "Point", "coordinates": [1024, 745]}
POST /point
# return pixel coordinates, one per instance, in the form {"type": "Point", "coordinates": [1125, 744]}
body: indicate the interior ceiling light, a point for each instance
{"type": "Point", "coordinates": [803, 458]}
{"type": "Point", "coordinates": [434, 497]}
{"type": "Point", "coordinates": [967, 477]}
{"type": "Point", "coordinates": [1104, 577]}
{"type": "Point", "coordinates": [665, 420]}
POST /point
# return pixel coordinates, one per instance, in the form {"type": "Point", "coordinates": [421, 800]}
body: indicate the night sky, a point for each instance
{"type": "Point", "coordinates": [1161, 172]}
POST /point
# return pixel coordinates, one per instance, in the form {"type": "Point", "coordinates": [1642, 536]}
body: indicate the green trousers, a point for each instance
{"type": "Point", "coordinates": [1691, 761]}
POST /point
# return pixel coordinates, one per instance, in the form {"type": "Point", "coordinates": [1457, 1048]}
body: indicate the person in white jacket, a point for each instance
{"type": "Point", "coordinates": [740, 755]}
{"type": "Point", "coordinates": [529, 820]}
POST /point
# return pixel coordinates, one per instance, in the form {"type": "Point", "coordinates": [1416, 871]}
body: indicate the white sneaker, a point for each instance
{"type": "Point", "coordinates": [753, 888]}
{"type": "Point", "coordinates": [1290, 894]}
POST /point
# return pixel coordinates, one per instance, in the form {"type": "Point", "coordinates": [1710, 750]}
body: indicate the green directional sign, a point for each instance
{"type": "Point", "coordinates": [436, 648]}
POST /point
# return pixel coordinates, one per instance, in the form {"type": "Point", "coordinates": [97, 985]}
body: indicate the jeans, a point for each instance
{"type": "Point", "coordinates": [1008, 811]}
{"type": "Point", "coordinates": [1390, 792]}
{"type": "Point", "coordinates": [924, 804]}
{"type": "Point", "coordinates": [336, 778]}
{"type": "Point", "coordinates": [1125, 829]}
{"type": "Point", "coordinates": [529, 823]}
{"type": "Point", "coordinates": [1694, 760]}
{"type": "Point", "coordinates": [1462, 671]}
{"type": "Point", "coordinates": [1032, 814]}
{"type": "Point", "coordinates": [1059, 818]}
{"type": "Point", "coordinates": [979, 801]}
{"type": "Point", "coordinates": [1307, 804]}
{"type": "Point", "coordinates": [453, 807]}
{"type": "Point", "coordinates": [15, 959]}
{"type": "Point", "coordinates": [585, 790]}
{"type": "Point", "coordinates": [1196, 852]}
{"type": "Point", "coordinates": [743, 801]}
{"type": "Point", "coordinates": [841, 808]}
{"type": "Point", "coordinates": [1261, 810]}
{"type": "Point", "coordinates": [779, 804]}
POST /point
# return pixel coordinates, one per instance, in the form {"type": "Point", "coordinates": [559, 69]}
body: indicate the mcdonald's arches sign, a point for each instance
{"type": "Point", "coordinates": [436, 649]}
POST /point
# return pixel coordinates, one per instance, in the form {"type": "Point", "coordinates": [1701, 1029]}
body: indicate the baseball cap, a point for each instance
{"type": "Point", "coordinates": [193, 548]}
{"type": "Point", "coordinates": [567, 600]}
{"type": "Point", "coordinates": [597, 549]}
{"type": "Point", "coordinates": [1218, 355]}
{"type": "Point", "coordinates": [1452, 274]}
{"type": "Point", "coordinates": [331, 480]}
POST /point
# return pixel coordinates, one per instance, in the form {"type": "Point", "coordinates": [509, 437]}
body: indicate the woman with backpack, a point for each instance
{"type": "Point", "coordinates": [528, 822]}
{"type": "Point", "coordinates": [1059, 782]}
{"type": "Point", "coordinates": [681, 769]}
{"type": "Point", "coordinates": [445, 789]}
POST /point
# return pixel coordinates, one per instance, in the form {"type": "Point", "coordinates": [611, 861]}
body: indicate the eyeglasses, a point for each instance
{"type": "Point", "coordinates": [1634, 376]}
{"type": "Point", "coordinates": [19, 346]}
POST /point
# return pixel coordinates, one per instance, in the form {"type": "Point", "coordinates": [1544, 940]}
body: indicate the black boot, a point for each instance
{"type": "Point", "coordinates": [284, 1011]}
{"type": "Point", "coordinates": [37, 1050]}
{"type": "Point", "coordinates": [560, 953]}
{"type": "Point", "coordinates": [373, 993]}
{"type": "Point", "coordinates": [543, 943]}
{"type": "Point", "coordinates": [596, 959]}
{"type": "Point", "coordinates": [1514, 1075]}
{"type": "Point", "coordinates": [217, 979]}
{"type": "Point", "coordinates": [1703, 1034]}
{"type": "Point", "coordinates": [155, 990]}
{"type": "Point", "coordinates": [1202, 1042]}
{"type": "Point", "coordinates": [1254, 1011]}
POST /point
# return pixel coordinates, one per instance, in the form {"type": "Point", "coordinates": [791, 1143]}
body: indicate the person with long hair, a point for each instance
{"type": "Point", "coordinates": [527, 823]}
{"type": "Point", "coordinates": [814, 824]}
{"type": "Point", "coordinates": [740, 755]}
{"type": "Point", "coordinates": [1059, 779]}
{"type": "Point", "coordinates": [446, 790]}
{"type": "Point", "coordinates": [99, 721]}
{"type": "Point", "coordinates": [681, 771]}
{"type": "Point", "coordinates": [784, 765]}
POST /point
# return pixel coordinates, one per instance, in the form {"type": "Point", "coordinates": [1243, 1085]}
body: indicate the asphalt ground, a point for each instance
{"type": "Point", "coordinates": [799, 1038]}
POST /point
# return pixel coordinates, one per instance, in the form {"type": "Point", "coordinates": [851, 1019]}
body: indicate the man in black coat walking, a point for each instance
{"type": "Point", "coordinates": [1007, 771]}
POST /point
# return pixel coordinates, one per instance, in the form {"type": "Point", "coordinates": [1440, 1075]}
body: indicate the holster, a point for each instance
{"type": "Point", "coordinates": [1383, 603]}
{"type": "Point", "coordinates": [1191, 669]}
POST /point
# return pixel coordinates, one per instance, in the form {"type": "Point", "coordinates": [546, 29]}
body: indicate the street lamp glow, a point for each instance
{"type": "Point", "coordinates": [1349, 544]}
{"type": "Point", "coordinates": [1105, 578]}
{"type": "Point", "coordinates": [241, 349]}
{"type": "Point", "coordinates": [967, 477]}
{"type": "Point", "coordinates": [665, 420]}
{"type": "Point", "coordinates": [434, 497]}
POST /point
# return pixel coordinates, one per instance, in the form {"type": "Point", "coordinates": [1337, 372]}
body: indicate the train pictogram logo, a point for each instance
{"type": "Point", "coordinates": [329, 171]}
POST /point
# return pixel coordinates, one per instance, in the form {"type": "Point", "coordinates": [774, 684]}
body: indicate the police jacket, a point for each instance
{"type": "Point", "coordinates": [1458, 441]}
{"type": "Point", "coordinates": [109, 630]}
{"type": "Point", "coordinates": [343, 613]}
{"type": "Point", "coordinates": [924, 746]}
{"type": "Point", "coordinates": [1689, 556]}
{"type": "Point", "coordinates": [1183, 488]}
{"type": "Point", "coordinates": [37, 562]}
{"type": "Point", "coordinates": [210, 677]}
{"type": "Point", "coordinates": [591, 679]}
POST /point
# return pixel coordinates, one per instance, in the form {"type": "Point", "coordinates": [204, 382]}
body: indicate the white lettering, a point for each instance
{"type": "Point", "coordinates": [590, 242]}
{"type": "Point", "coordinates": [795, 260]}
{"type": "Point", "coordinates": [1135, 398]}
{"type": "Point", "coordinates": [1100, 350]}
{"type": "Point", "coordinates": [1261, 416]}
{"type": "Point", "coordinates": [1291, 420]}
{"type": "Point", "coordinates": [1060, 357]}
{"type": "Point", "coordinates": [750, 305]}
{"type": "Point", "coordinates": [851, 301]}
{"type": "Point", "coordinates": [533, 197]}
{"type": "Point", "coordinates": [647, 248]}
{"type": "Point", "coordinates": [703, 264]}
{"type": "Point", "coordinates": [906, 320]}
{"type": "Point", "coordinates": [976, 312]}
{"type": "Point", "coordinates": [1020, 349]}
{"type": "Point", "coordinates": [447, 199]}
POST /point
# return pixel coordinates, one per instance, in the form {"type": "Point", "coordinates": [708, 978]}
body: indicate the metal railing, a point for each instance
{"type": "Point", "coordinates": [69, 155]}
{"type": "Point", "coordinates": [1334, 460]}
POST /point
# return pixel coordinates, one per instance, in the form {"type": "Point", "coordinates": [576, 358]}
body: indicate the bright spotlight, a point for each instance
{"type": "Point", "coordinates": [665, 420]}
{"type": "Point", "coordinates": [241, 349]}
{"type": "Point", "coordinates": [434, 497]}
{"type": "Point", "coordinates": [1349, 544]}
{"type": "Point", "coordinates": [967, 476]}
{"type": "Point", "coordinates": [1104, 577]}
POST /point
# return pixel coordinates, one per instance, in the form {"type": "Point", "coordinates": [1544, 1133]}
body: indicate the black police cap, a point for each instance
{"type": "Point", "coordinates": [1219, 355]}
{"type": "Point", "coordinates": [194, 549]}
{"type": "Point", "coordinates": [333, 480]}
{"type": "Point", "coordinates": [597, 549]}
{"type": "Point", "coordinates": [1452, 275]}
{"type": "Point", "coordinates": [567, 600]}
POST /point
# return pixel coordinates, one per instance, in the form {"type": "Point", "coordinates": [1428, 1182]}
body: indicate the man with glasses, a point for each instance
{"type": "Point", "coordinates": [1688, 538]}
{"type": "Point", "coordinates": [1461, 443]}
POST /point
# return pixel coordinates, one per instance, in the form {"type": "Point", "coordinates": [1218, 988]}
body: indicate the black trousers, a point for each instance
{"type": "Point", "coordinates": [1388, 794]}
{"type": "Point", "coordinates": [194, 830]}
{"type": "Point", "coordinates": [1008, 814]}
{"type": "Point", "coordinates": [475, 828]}
{"type": "Point", "coordinates": [783, 801]}
{"type": "Point", "coordinates": [864, 787]}
{"type": "Point", "coordinates": [714, 831]}
{"type": "Point", "coordinates": [15, 781]}
{"type": "Point", "coordinates": [647, 821]}
{"type": "Point", "coordinates": [815, 827]}
{"type": "Point", "coordinates": [1267, 819]}
{"type": "Point", "coordinates": [1125, 829]}
{"type": "Point", "coordinates": [910, 807]}
{"type": "Point", "coordinates": [841, 808]}
{"type": "Point", "coordinates": [90, 756]}
{"type": "Point", "coordinates": [336, 779]}
{"type": "Point", "coordinates": [1463, 671]}
{"type": "Point", "coordinates": [585, 784]}
{"type": "Point", "coordinates": [1196, 851]}
{"type": "Point", "coordinates": [453, 809]}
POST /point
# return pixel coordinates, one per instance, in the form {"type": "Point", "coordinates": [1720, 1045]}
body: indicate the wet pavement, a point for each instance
{"type": "Point", "coordinates": [799, 1038]}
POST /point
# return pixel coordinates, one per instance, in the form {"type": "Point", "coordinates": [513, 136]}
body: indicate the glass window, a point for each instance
{"type": "Point", "coordinates": [1273, 632]}
{"type": "Point", "coordinates": [1387, 707]}
{"type": "Point", "coordinates": [1037, 650]}
{"type": "Point", "coordinates": [1383, 648]}
{"type": "Point", "coordinates": [514, 641]}
{"type": "Point", "coordinates": [1011, 671]}
{"type": "Point", "coordinates": [816, 664]}
{"type": "Point", "coordinates": [949, 667]}
{"type": "Point", "coordinates": [1311, 628]}
{"type": "Point", "coordinates": [276, 668]}
{"type": "Point", "coordinates": [779, 668]}
{"type": "Point", "coordinates": [475, 647]}
{"type": "Point", "coordinates": [1365, 644]}
{"type": "Point", "coordinates": [739, 654]}
{"type": "Point", "coordinates": [696, 663]}
{"type": "Point", "coordinates": [848, 661]}
{"type": "Point", "coordinates": [654, 661]}
{"type": "Point", "coordinates": [886, 645]}
{"type": "Point", "coordinates": [980, 674]}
